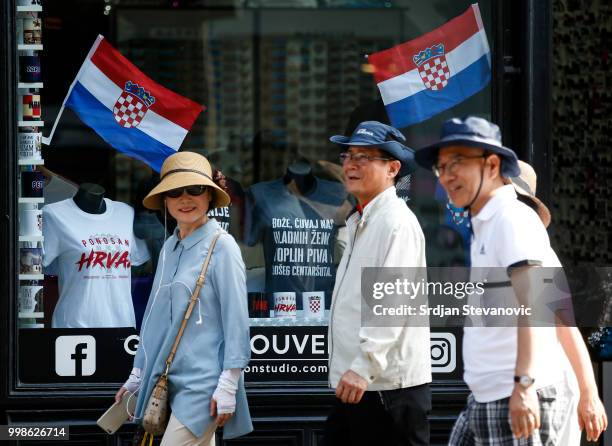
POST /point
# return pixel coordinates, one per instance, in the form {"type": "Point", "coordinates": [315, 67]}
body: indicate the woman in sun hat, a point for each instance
{"type": "Point", "coordinates": [588, 412]}
{"type": "Point", "coordinates": [206, 387]}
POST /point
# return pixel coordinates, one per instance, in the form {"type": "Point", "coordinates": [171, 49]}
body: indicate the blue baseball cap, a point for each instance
{"type": "Point", "coordinates": [475, 132]}
{"type": "Point", "coordinates": [381, 136]}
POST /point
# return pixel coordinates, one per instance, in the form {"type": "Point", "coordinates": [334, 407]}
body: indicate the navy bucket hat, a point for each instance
{"type": "Point", "coordinates": [471, 132]}
{"type": "Point", "coordinates": [381, 136]}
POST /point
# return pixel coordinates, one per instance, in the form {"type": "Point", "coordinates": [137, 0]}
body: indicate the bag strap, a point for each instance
{"type": "Point", "coordinates": [144, 439]}
{"type": "Point", "coordinates": [194, 297]}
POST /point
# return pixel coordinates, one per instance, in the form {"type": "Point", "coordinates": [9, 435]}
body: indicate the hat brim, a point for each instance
{"type": "Point", "coordinates": [155, 200]}
{"type": "Point", "coordinates": [541, 208]}
{"type": "Point", "coordinates": [428, 156]}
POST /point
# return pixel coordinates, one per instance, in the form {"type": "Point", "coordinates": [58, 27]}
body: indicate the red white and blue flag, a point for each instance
{"type": "Point", "coordinates": [432, 73]}
{"type": "Point", "coordinates": [132, 113]}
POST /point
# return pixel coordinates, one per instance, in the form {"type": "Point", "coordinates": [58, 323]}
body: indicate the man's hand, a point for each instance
{"type": "Point", "coordinates": [591, 415]}
{"type": "Point", "coordinates": [524, 411]}
{"type": "Point", "coordinates": [351, 387]}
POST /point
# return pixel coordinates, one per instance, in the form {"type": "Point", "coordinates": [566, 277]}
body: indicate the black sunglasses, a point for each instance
{"type": "Point", "coordinates": [194, 191]}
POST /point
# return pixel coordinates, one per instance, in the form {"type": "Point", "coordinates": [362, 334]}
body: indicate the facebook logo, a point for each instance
{"type": "Point", "coordinates": [75, 355]}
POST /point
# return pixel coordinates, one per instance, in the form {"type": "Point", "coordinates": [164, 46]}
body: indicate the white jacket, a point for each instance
{"type": "Point", "coordinates": [386, 235]}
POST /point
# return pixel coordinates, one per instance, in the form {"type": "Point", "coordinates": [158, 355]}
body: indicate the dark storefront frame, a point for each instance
{"type": "Point", "coordinates": [521, 104]}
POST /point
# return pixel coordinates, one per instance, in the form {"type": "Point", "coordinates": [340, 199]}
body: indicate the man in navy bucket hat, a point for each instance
{"type": "Point", "coordinates": [476, 135]}
{"type": "Point", "coordinates": [376, 135]}
{"type": "Point", "coordinates": [515, 373]}
{"type": "Point", "coordinates": [381, 374]}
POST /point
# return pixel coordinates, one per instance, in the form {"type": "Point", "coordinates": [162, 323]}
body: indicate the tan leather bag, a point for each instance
{"type": "Point", "coordinates": [156, 414]}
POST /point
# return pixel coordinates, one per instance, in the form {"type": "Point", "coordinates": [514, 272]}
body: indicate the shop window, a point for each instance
{"type": "Point", "coordinates": [277, 79]}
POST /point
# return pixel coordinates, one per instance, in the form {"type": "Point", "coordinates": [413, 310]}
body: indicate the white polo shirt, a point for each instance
{"type": "Point", "coordinates": [507, 232]}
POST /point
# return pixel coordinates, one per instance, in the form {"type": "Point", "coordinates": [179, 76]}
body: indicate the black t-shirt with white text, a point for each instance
{"type": "Point", "coordinates": [298, 234]}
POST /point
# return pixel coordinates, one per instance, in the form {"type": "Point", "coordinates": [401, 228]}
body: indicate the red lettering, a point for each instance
{"type": "Point", "coordinates": [110, 259]}
{"type": "Point", "coordinates": [127, 243]}
{"type": "Point", "coordinates": [98, 241]}
{"type": "Point", "coordinates": [84, 242]}
{"type": "Point", "coordinates": [124, 260]}
{"type": "Point", "coordinates": [119, 242]}
{"type": "Point", "coordinates": [100, 255]}
{"type": "Point", "coordinates": [285, 308]}
{"type": "Point", "coordinates": [84, 260]}
{"type": "Point", "coordinates": [104, 260]}
{"type": "Point", "coordinates": [105, 240]}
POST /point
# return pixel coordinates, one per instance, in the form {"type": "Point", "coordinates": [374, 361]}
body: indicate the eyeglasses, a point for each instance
{"type": "Point", "coordinates": [450, 168]}
{"type": "Point", "coordinates": [360, 159]}
{"type": "Point", "coordinates": [194, 191]}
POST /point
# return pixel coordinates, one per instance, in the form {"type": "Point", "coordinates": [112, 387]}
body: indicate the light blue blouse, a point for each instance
{"type": "Point", "coordinates": [217, 334]}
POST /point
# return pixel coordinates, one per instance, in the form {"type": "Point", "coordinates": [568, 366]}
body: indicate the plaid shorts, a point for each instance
{"type": "Point", "coordinates": [488, 424]}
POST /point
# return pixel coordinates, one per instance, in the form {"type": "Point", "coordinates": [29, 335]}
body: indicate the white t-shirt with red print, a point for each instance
{"type": "Point", "coordinates": [92, 255]}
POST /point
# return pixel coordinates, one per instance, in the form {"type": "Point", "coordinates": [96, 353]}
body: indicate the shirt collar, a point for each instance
{"type": "Point", "coordinates": [196, 236]}
{"type": "Point", "coordinates": [361, 207]}
{"type": "Point", "coordinates": [501, 198]}
{"type": "Point", "coordinates": [373, 205]}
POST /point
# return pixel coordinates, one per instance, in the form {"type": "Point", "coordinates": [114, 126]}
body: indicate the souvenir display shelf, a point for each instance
{"type": "Point", "coordinates": [29, 305]}
{"type": "Point", "coordinates": [298, 320]}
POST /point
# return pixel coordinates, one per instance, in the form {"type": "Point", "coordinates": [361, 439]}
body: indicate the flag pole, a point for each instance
{"type": "Point", "coordinates": [47, 140]}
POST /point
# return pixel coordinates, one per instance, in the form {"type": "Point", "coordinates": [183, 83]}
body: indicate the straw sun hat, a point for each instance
{"type": "Point", "coordinates": [185, 169]}
{"type": "Point", "coordinates": [525, 185]}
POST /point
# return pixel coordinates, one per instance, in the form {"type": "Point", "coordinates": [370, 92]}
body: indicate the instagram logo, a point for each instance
{"type": "Point", "coordinates": [443, 352]}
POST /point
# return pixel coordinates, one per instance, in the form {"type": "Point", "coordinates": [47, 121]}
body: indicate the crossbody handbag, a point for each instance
{"type": "Point", "coordinates": [156, 414]}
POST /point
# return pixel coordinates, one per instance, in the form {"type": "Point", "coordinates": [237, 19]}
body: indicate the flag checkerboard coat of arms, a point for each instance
{"type": "Point", "coordinates": [433, 72]}
{"type": "Point", "coordinates": [433, 68]}
{"type": "Point", "coordinates": [315, 305]}
{"type": "Point", "coordinates": [129, 110]}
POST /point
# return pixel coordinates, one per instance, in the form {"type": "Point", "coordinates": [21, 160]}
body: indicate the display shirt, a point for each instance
{"type": "Point", "coordinates": [92, 255]}
{"type": "Point", "coordinates": [299, 234]}
{"type": "Point", "coordinates": [230, 217]}
{"type": "Point", "coordinates": [223, 217]}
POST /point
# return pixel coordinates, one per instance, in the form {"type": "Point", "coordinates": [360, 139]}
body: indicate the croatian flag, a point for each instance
{"type": "Point", "coordinates": [128, 110]}
{"type": "Point", "coordinates": [432, 73]}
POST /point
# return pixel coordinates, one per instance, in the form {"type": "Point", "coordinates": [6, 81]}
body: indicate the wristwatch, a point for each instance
{"type": "Point", "coordinates": [524, 380]}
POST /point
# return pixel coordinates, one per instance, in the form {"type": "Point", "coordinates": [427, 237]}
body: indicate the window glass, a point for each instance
{"type": "Point", "coordinates": [277, 80]}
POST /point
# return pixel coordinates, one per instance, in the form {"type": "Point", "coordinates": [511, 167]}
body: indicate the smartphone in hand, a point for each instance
{"type": "Point", "coordinates": [118, 413]}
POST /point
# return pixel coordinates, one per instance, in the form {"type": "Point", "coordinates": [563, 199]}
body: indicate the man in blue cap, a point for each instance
{"type": "Point", "coordinates": [515, 373]}
{"type": "Point", "coordinates": [380, 374]}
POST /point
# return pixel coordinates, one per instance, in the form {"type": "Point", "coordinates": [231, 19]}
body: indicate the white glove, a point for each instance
{"type": "Point", "coordinates": [225, 393]}
{"type": "Point", "coordinates": [133, 382]}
